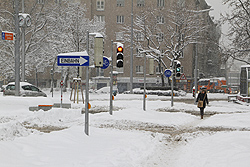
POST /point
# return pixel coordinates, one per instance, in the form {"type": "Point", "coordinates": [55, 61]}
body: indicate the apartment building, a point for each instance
{"type": "Point", "coordinates": [117, 14]}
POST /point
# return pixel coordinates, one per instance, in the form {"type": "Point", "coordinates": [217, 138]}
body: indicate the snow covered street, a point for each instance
{"type": "Point", "coordinates": [161, 136]}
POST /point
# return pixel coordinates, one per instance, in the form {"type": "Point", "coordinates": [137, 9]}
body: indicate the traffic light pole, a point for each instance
{"type": "Point", "coordinates": [111, 82]}
{"type": "Point", "coordinates": [196, 72]}
{"type": "Point", "coordinates": [172, 83]}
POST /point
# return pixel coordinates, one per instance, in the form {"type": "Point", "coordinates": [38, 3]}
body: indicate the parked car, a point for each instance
{"type": "Point", "coordinates": [26, 89]}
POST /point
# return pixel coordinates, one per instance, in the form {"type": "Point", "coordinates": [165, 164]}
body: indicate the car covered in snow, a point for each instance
{"type": "Point", "coordinates": [26, 89]}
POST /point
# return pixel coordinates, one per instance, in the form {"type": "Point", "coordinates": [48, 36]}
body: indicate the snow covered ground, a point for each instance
{"type": "Point", "coordinates": [161, 136]}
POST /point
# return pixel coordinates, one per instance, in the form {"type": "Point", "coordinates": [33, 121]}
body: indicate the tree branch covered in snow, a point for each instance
{"type": "Point", "coordinates": [67, 28]}
{"type": "Point", "coordinates": [56, 28]}
{"type": "Point", "coordinates": [239, 29]}
{"type": "Point", "coordinates": [166, 33]}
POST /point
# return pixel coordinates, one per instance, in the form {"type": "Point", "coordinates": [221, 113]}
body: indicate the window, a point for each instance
{"type": "Point", "coordinates": [119, 36]}
{"type": "Point", "coordinates": [182, 69]}
{"type": "Point", "coordinates": [33, 88]}
{"type": "Point", "coordinates": [100, 18]}
{"type": "Point", "coordinates": [157, 71]}
{"type": "Point", "coordinates": [139, 54]}
{"type": "Point", "coordinates": [159, 37]}
{"type": "Point", "coordinates": [26, 87]}
{"type": "Point", "coordinates": [57, 1]}
{"type": "Point", "coordinates": [181, 54]}
{"type": "Point", "coordinates": [140, 3]}
{"type": "Point", "coordinates": [160, 3]}
{"type": "Point", "coordinates": [120, 19]}
{"type": "Point", "coordinates": [40, 1]}
{"type": "Point", "coordinates": [120, 2]}
{"type": "Point", "coordinates": [182, 37]}
{"type": "Point", "coordinates": [139, 69]}
{"type": "Point", "coordinates": [160, 20]}
{"type": "Point", "coordinates": [100, 5]}
{"type": "Point", "coordinates": [181, 2]}
{"type": "Point", "coordinates": [139, 36]}
{"type": "Point", "coordinates": [10, 87]}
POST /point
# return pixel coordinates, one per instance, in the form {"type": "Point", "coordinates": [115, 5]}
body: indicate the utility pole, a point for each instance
{"type": "Point", "coordinates": [196, 60]}
{"type": "Point", "coordinates": [23, 47]}
{"type": "Point", "coordinates": [17, 51]}
{"type": "Point", "coordinates": [131, 47]}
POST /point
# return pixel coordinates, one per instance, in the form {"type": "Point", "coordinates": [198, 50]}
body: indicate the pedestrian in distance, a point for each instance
{"type": "Point", "coordinates": [202, 100]}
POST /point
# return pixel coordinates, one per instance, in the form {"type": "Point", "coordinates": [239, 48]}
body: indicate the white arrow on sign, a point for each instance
{"type": "Point", "coordinates": [83, 61]}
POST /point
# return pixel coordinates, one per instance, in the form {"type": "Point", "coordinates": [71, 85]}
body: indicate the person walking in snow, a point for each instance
{"type": "Point", "coordinates": [202, 99]}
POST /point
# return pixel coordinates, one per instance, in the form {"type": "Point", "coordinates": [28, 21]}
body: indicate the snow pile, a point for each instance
{"type": "Point", "coordinates": [71, 147]}
{"type": "Point", "coordinates": [11, 130]}
{"type": "Point", "coordinates": [129, 137]}
{"type": "Point", "coordinates": [53, 120]}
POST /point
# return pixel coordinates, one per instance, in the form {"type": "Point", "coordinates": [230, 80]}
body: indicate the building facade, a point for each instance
{"type": "Point", "coordinates": [117, 15]}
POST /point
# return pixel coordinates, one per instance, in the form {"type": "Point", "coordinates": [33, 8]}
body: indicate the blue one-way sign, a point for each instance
{"type": "Point", "coordinates": [73, 59]}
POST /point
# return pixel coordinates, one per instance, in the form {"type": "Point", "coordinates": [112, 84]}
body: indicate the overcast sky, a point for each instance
{"type": "Point", "coordinates": [219, 8]}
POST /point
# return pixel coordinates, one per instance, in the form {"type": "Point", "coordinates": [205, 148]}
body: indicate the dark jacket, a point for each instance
{"type": "Point", "coordinates": [201, 97]}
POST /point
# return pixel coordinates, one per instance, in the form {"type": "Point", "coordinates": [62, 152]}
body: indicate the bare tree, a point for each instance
{"type": "Point", "coordinates": [166, 33]}
{"type": "Point", "coordinates": [239, 30]}
{"type": "Point", "coordinates": [67, 28]}
{"type": "Point", "coordinates": [56, 28]}
{"type": "Point", "coordinates": [34, 36]}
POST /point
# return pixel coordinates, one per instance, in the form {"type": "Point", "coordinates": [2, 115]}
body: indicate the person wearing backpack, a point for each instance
{"type": "Point", "coordinates": [202, 100]}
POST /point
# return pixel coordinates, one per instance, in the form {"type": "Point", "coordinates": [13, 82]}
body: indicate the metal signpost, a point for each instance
{"type": "Point", "coordinates": [78, 59]}
{"type": "Point", "coordinates": [82, 59]}
{"type": "Point", "coordinates": [168, 73]}
{"type": "Point", "coordinates": [86, 130]}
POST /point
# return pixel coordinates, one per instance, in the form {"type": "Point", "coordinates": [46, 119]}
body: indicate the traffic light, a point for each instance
{"type": "Point", "coordinates": [178, 69]}
{"type": "Point", "coordinates": [119, 55]}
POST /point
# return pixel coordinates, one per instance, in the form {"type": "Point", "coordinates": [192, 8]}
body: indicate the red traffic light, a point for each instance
{"type": "Point", "coordinates": [119, 49]}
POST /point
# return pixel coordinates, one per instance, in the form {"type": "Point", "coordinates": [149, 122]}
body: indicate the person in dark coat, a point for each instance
{"type": "Point", "coordinates": [203, 97]}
